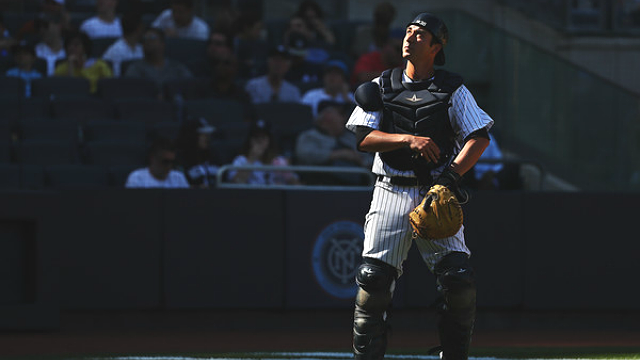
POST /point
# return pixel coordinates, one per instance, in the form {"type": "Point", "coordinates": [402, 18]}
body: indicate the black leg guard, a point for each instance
{"type": "Point", "coordinates": [376, 280]}
{"type": "Point", "coordinates": [456, 285]}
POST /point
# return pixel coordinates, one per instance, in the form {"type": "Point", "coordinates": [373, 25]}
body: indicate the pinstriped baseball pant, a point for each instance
{"type": "Point", "coordinates": [388, 235]}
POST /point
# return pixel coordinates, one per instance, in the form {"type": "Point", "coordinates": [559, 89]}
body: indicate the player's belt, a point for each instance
{"type": "Point", "coordinates": [399, 180]}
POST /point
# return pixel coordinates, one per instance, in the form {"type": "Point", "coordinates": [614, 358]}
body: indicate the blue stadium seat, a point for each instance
{"type": "Point", "coordinates": [107, 130]}
{"type": "Point", "coordinates": [115, 153]}
{"type": "Point", "coordinates": [46, 152]}
{"type": "Point", "coordinates": [148, 111]}
{"type": "Point", "coordinates": [76, 177]}
{"type": "Point", "coordinates": [59, 85]}
{"type": "Point", "coordinates": [127, 87]}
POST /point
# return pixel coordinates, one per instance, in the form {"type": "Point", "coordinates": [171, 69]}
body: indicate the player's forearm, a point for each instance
{"type": "Point", "coordinates": [379, 141]}
{"type": "Point", "coordinates": [469, 155]}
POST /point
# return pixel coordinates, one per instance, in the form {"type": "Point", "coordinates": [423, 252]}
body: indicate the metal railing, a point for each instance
{"type": "Point", "coordinates": [222, 182]}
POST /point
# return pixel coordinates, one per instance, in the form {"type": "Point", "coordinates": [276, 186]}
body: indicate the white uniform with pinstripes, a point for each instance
{"type": "Point", "coordinates": [388, 233]}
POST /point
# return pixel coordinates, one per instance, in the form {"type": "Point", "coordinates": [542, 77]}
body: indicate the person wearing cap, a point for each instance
{"type": "Point", "coordinates": [260, 148]}
{"type": "Point", "coordinates": [334, 87]}
{"type": "Point", "coordinates": [24, 55]}
{"type": "Point", "coordinates": [195, 154]}
{"type": "Point", "coordinates": [302, 70]}
{"type": "Point", "coordinates": [272, 87]}
{"type": "Point", "coordinates": [425, 129]}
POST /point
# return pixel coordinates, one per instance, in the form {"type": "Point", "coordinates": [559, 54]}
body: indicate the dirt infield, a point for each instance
{"type": "Point", "coordinates": [104, 333]}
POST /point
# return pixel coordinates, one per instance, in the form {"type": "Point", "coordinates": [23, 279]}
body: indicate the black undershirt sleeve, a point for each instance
{"type": "Point", "coordinates": [361, 133]}
{"type": "Point", "coordinates": [482, 133]}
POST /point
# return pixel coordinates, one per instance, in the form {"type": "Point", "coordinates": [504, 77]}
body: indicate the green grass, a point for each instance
{"type": "Point", "coordinates": [483, 352]}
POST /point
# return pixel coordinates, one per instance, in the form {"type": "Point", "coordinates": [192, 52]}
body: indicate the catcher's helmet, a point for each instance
{"type": "Point", "coordinates": [437, 28]}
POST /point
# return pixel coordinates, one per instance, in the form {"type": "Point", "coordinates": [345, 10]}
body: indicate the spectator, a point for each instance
{"type": "Point", "coordinates": [24, 56]}
{"type": "Point", "coordinates": [374, 36]}
{"type": "Point", "coordinates": [494, 175]}
{"type": "Point", "coordinates": [51, 46]}
{"type": "Point", "coordinates": [259, 149]}
{"type": "Point", "coordinates": [50, 9]}
{"type": "Point", "coordinates": [371, 64]}
{"type": "Point", "coordinates": [329, 143]}
{"type": "Point", "coordinates": [78, 63]}
{"type": "Point", "coordinates": [196, 156]}
{"type": "Point", "coordinates": [105, 24]}
{"type": "Point", "coordinates": [320, 34]}
{"type": "Point", "coordinates": [179, 21]}
{"type": "Point", "coordinates": [272, 87]}
{"type": "Point", "coordinates": [155, 65]}
{"type": "Point", "coordinates": [6, 41]}
{"type": "Point", "coordinates": [302, 71]}
{"type": "Point", "coordinates": [298, 29]}
{"type": "Point", "coordinates": [159, 173]}
{"type": "Point", "coordinates": [128, 47]}
{"type": "Point", "coordinates": [335, 87]}
{"type": "Point", "coordinates": [217, 45]}
{"type": "Point", "coordinates": [250, 46]}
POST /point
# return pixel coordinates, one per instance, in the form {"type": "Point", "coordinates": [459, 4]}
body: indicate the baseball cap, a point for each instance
{"type": "Point", "coordinates": [260, 126]}
{"type": "Point", "coordinates": [437, 28]}
{"type": "Point", "coordinates": [279, 50]}
{"type": "Point", "coordinates": [336, 64]}
{"type": "Point", "coordinates": [204, 127]}
{"type": "Point", "coordinates": [298, 44]}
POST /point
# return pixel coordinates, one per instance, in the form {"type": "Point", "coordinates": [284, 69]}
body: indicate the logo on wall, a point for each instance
{"type": "Point", "coordinates": [336, 257]}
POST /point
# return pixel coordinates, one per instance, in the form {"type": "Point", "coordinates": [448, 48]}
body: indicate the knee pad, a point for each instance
{"type": "Point", "coordinates": [456, 282]}
{"type": "Point", "coordinates": [376, 281]}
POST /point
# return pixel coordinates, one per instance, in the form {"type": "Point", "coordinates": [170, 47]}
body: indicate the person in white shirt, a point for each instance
{"type": "Point", "coordinates": [159, 173]}
{"type": "Point", "coordinates": [105, 24]}
{"type": "Point", "coordinates": [51, 47]}
{"type": "Point", "coordinates": [128, 47]}
{"type": "Point", "coordinates": [335, 87]}
{"type": "Point", "coordinates": [179, 21]}
{"type": "Point", "coordinates": [272, 87]}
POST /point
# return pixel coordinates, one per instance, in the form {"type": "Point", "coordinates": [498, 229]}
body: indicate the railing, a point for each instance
{"type": "Point", "coordinates": [366, 175]}
{"type": "Point", "coordinates": [223, 183]}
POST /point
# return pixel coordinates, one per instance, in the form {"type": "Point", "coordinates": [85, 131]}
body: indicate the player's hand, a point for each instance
{"type": "Point", "coordinates": [425, 147]}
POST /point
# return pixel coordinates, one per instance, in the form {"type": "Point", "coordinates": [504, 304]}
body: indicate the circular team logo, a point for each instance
{"type": "Point", "coordinates": [336, 257]}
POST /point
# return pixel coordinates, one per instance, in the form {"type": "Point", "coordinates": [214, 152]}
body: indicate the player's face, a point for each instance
{"type": "Point", "coordinates": [417, 44]}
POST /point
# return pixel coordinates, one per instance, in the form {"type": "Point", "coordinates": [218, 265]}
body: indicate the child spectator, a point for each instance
{"type": "Point", "coordinates": [24, 56]}
{"type": "Point", "coordinates": [77, 45]}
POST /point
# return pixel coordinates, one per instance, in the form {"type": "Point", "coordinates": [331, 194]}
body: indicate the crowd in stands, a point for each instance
{"type": "Point", "coordinates": [227, 90]}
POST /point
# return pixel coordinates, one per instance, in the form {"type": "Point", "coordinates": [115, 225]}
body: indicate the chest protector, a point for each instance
{"type": "Point", "coordinates": [421, 109]}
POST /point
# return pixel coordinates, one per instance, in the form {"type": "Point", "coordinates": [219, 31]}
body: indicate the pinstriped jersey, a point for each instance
{"type": "Point", "coordinates": [465, 116]}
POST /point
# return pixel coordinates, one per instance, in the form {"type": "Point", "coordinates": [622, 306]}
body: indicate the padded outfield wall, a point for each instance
{"type": "Point", "coordinates": [277, 249]}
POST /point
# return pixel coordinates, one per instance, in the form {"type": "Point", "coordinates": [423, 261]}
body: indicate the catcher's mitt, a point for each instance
{"type": "Point", "coordinates": [438, 216]}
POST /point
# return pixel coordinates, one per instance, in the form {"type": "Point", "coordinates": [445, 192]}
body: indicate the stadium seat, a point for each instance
{"type": "Point", "coordinates": [184, 49]}
{"type": "Point", "coordinates": [107, 130]}
{"type": "Point", "coordinates": [59, 85]}
{"type": "Point", "coordinates": [32, 176]}
{"type": "Point", "coordinates": [5, 152]}
{"type": "Point", "coordinates": [225, 150]}
{"type": "Point", "coordinates": [35, 108]}
{"type": "Point", "coordinates": [235, 130]}
{"type": "Point", "coordinates": [11, 112]}
{"type": "Point", "coordinates": [127, 87]}
{"type": "Point", "coordinates": [287, 121]}
{"type": "Point", "coordinates": [11, 86]}
{"type": "Point", "coordinates": [76, 176]}
{"type": "Point", "coordinates": [82, 109]}
{"type": "Point", "coordinates": [100, 45]}
{"type": "Point", "coordinates": [118, 174]}
{"type": "Point", "coordinates": [9, 176]}
{"type": "Point", "coordinates": [166, 129]}
{"type": "Point", "coordinates": [114, 153]}
{"type": "Point", "coordinates": [6, 133]}
{"type": "Point", "coordinates": [188, 88]}
{"type": "Point", "coordinates": [46, 152]}
{"type": "Point", "coordinates": [148, 111]}
{"type": "Point", "coordinates": [215, 110]}
{"type": "Point", "coordinates": [49, 129]}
